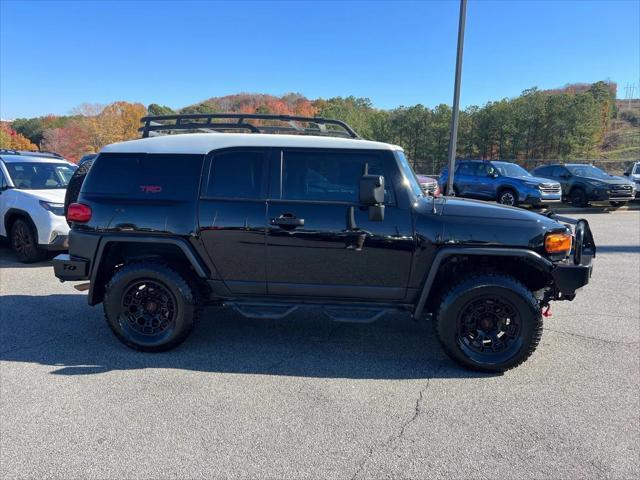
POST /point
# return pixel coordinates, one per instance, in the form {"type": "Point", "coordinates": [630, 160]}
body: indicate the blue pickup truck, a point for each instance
{"type": "Point", "coordinates": [504, 182]}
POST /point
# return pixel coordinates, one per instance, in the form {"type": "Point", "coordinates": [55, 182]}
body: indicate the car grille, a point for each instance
{"type": "Point", "coordinates": [550, 187]}
{"type": "Point", "coordinates": [429, 187]}
{"type": "Point", "coordinates": [621, 190]}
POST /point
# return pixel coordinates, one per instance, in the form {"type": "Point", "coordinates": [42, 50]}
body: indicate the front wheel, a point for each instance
{"type": "Point", "coordinates": [24, 242]}
{"type": "Point", "coordinates": [489, 323]}
{"type": "Point", "coordinates": [578, 198]}
{"type": "Point", "coordinates": [150, 307]}
{"type": "Point", "coordinates": [509, 198]}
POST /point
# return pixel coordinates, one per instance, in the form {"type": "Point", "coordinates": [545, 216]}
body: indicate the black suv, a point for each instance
{"type": "Point", "coordinates": [268, 223]}
{"type": "Point", "coordinates": [583, 183]}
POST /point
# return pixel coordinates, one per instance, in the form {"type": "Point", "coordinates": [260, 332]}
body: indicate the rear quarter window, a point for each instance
{"type": "Point", "coordinates": [145, 176]}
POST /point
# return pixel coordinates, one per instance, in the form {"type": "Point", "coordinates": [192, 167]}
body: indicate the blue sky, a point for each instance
{"type": "Point", "coordinates": [56, 55]}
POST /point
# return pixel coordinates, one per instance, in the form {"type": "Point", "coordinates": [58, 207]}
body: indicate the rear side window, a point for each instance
{"type": "Point", "coordinates": [236, 174]}
{"type": "Point", "coordinates": [145, 176]}
{"type": "Point", "coordinates": [329, 176]}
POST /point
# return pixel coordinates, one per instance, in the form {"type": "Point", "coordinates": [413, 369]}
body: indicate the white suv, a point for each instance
{"type": "Point", "coordinates": [32, 189]}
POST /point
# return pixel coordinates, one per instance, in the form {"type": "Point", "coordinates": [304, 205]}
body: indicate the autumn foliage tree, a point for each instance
{"type": "Point", "coordinates": [12, 140]}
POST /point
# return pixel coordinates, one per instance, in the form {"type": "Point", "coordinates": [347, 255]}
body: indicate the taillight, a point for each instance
{"type": "Point", "coordinates": [78, 212]}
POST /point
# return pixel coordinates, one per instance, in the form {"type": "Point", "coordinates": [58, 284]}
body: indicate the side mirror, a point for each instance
{"type": "Point", "coordinates": [565, 175]}
{"type": "Point", "coordinates": [372, 195]}
{"type": "Point", "coordinates": [626, 174]}
{"type": "Point", "coordinates": [492, 174]}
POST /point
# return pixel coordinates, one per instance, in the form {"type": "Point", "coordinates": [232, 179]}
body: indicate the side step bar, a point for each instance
{"type": "Point", "coordinates": [337, 313]}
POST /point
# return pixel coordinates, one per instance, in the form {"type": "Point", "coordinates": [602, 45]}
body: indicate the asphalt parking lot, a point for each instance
{"type": "Point", "coordinates": [307, 398]}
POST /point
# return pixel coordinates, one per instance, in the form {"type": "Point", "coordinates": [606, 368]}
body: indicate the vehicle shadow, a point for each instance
{"type": "Point", "coordinates": [63, 332]}
{"type": "Point", "coordinates": [8, 259]}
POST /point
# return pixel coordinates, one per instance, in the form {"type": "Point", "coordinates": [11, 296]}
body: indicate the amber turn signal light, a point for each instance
{"type": "Point", "coordinates": [557, 242]}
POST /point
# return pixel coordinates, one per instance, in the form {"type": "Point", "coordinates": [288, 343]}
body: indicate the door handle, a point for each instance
{"type": "Point", "coordinates": [288, 220]}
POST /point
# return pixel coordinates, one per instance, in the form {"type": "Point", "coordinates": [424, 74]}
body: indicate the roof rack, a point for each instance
{"type": "Point", "coordinates": [8, 151]}
{"type": "Point", "coordinates": [206, 122]}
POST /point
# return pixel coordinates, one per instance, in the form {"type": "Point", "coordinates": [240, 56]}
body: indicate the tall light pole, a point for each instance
{"type": "Point", "coordinates": [456, 98]}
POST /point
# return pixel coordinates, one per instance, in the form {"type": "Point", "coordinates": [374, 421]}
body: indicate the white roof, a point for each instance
{"type": "Point", "coordinates": [205, 142]}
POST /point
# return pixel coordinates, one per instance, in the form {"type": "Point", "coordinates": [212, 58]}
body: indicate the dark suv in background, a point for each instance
{"type": "Point", "coordinates": [583, 183]}
{"type": "Point", "coordinates": [504, 182]}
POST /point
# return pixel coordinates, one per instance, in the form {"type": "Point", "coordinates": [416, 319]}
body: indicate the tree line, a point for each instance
{"type": "Point", "coordinates": [567, 123]}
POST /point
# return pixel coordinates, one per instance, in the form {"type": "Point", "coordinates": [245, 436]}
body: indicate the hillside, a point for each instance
{"type": "Point", "coordinates": [622, 139]}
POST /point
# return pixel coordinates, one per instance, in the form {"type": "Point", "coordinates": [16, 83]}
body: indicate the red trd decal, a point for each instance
{"type": "Point", "coordinates": [151, 188]}
{"type": "Point", "coordinates": [546, 312]}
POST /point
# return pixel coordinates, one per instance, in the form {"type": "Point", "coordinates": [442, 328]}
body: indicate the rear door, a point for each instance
{"type": "Point", "coordinates": [231, 215]}
{"type": "Point", "coordinates": [320, 242]}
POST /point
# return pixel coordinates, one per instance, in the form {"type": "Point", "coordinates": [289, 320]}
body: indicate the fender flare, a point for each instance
{"type": "Point", "coordinates": [21, 213]}
{"type": "Point", "coordinates": [196, 262]}
{"type": "Point", "coordinates": [447, 252]}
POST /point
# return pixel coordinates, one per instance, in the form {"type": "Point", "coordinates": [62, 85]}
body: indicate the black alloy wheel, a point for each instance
{"type": "Point", "coordinates": [578, 198]}
{"type": "Point", "coordinates": [149, 306]}
{"type": "Point", "coordinates": [489, 328]}
{"type": "Point", "coordinates": [489, 322]}
{"type": "Point", "coordinates": [25, 242]}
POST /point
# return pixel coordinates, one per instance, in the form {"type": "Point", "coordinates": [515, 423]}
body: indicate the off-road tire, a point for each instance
{"type": "Point", "coordinates": [75, 184]}
{"type": "Point", "coordinates": [481, 287]}
{"type": "Point", "coordinates": [508, 197]}
{"type": "Point", "coordinates": [24, 242]}
{"type": "Point", "coordinates": [181, 300]}
{"type": "Point", "coordinates": [578, 197]}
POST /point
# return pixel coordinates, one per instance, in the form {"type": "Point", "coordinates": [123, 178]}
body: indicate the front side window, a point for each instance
{"type": "Point", "coordinates": [40, 176]}
{"type": "Point", "coordinates": [511, 170]}
{"type": "Point", "coordinates": [328, 176]}
{"type": "Point", "coordinates": [587, 171]}
{"type": "Point", "coordinates": [236, 174]}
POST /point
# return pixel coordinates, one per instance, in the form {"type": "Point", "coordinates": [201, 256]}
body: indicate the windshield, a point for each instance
{"type": "Point", "coordinates": [511, 170]}
{"type": "Point", "coordinates": [587, 171]}
{"type": "Point", "coordinates": [410, 179]}
{"type": "Point", "coordinates": [636, 169]}
{"type": "Point", "coordinates": [40, 176]}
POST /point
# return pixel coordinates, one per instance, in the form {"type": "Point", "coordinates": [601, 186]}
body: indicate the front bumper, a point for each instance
{"type": "Point", "coordinates": [60, 242]}
{"type": "Point", "coordinates": [576, 271]}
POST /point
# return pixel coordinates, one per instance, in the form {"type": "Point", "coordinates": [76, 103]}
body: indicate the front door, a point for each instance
{"type": "Point", "coordinates": [320, 242]}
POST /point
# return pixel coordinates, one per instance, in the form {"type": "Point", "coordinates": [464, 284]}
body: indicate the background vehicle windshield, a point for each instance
{"type": "Point", "coordinates": [410, 178]}
{"type": "Point", "coordinates": [511, 170]}
{"type": "Point", "coordinates": [40, 176]}
{"type": "Point", "coordinates": [587, 171]}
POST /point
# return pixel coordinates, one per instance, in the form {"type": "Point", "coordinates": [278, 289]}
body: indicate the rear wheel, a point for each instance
{"type": "Point", "coordinates": [489, 323]}
{"type": "Point", "coordinates": [508, 197]}
{"type": "Point", "coordinates": [578, 198]}
{"type": "Point", "coordinates": [24, 242]}
{"type": "Point", "coordinates": [150, 307]}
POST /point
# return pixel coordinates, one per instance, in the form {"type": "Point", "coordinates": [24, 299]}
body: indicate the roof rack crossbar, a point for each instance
{"type": "Point", "coordinates": [200, 121]}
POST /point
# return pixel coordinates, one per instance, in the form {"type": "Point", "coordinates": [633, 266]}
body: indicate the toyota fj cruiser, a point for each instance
{"type": "Point", "coordinates": [313, 216]}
